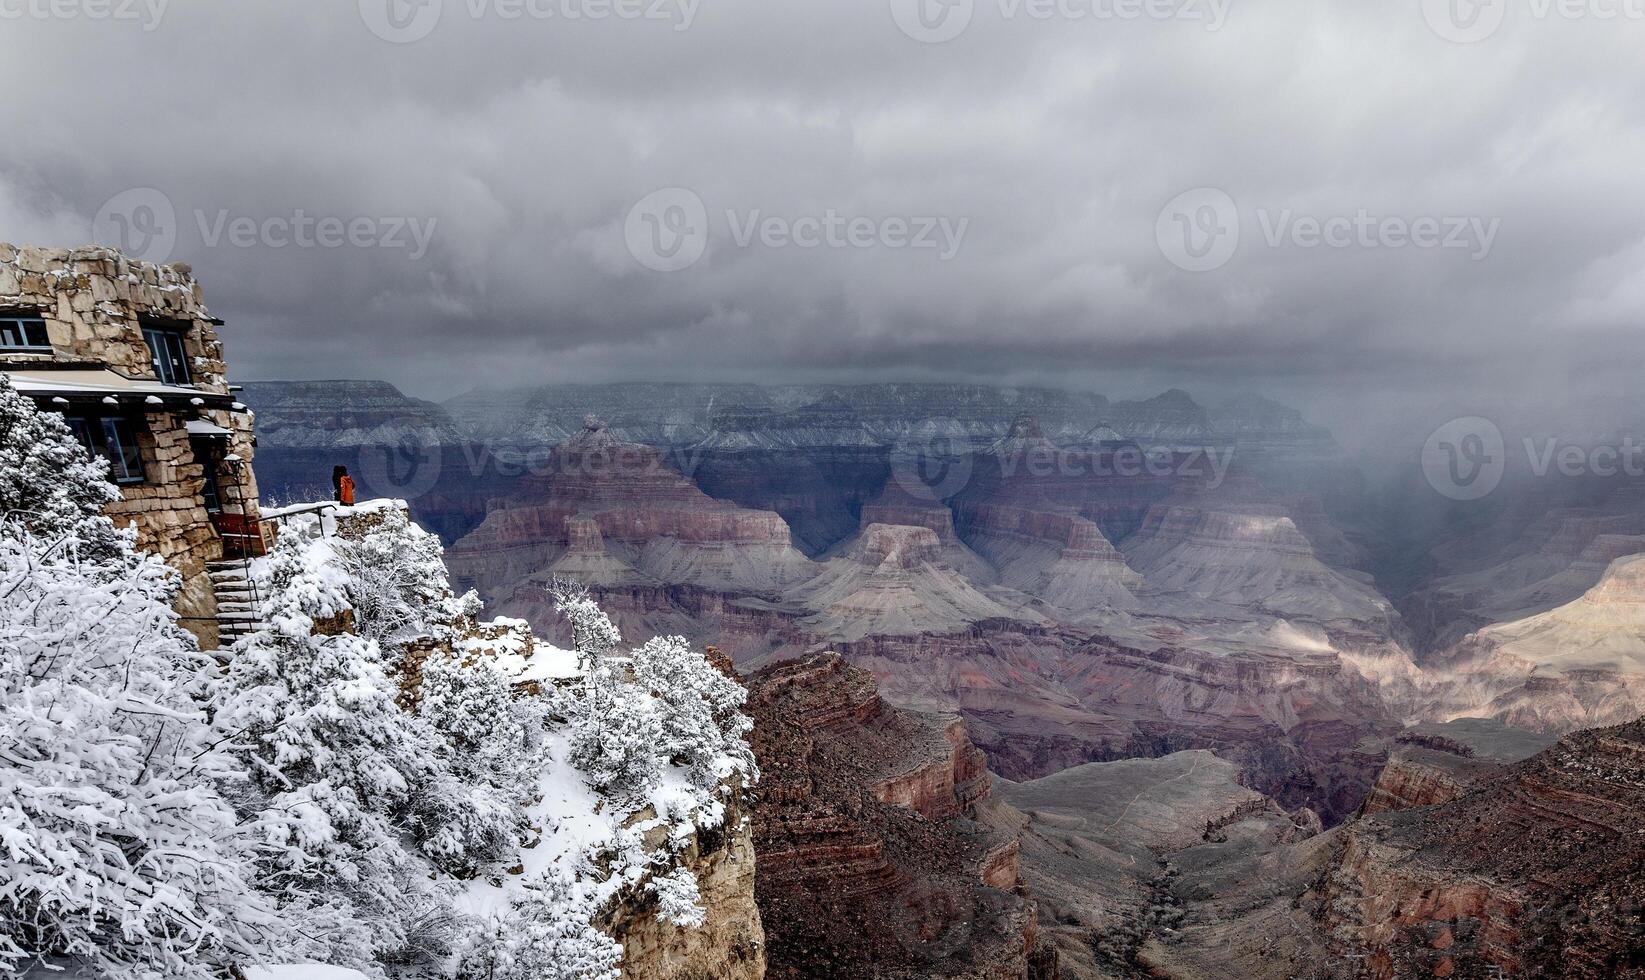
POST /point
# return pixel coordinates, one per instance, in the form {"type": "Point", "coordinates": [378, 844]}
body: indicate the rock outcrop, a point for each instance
{"type": "Point", "coordinates": [1059, 557]}
{"type": "Point", "coordinates": [729, 945]}
{"type": "Point", "coordinates": [893, 580]}
{"type": "Point", "coordinates": [1435, 763]}
{"type": "Point", "coordinates": [622, 513]}
{"type": "Point", "coordinates": [1539, 870]}
{"type": "Point", "coordinates": [1250, 556]}
{"type": "Point", "coordinates": [869, 861]}
{"type": "Point", "coordinates": [1576, 666]}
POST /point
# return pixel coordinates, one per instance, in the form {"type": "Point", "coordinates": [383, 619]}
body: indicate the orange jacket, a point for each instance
{"type": "Point", "coordinates": [345, 491]}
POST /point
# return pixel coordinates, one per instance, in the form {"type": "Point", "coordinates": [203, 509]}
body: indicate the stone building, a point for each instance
{"type": "Point", "coordinates": [127, 351]}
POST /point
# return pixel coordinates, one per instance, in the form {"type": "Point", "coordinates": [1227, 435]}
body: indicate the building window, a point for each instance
{"type": "Point", "coordinates": [23, 333]}
{"type": "Point", "coordinates": [167, 353]}
{"type": "Point", "coordinates": [114, 439]}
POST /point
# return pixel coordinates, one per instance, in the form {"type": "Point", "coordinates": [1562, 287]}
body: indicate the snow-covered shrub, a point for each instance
{"type": "Point", "coordinates": [397, 582]}
{"type": "Point", "coordinates": [115, 849]}
{"type": "Point", "coordinates": [334, 763]}
{"type": "Point", "coordinates": [593, 634]}
{"type": "Point", "coordinates": [492, 745]}
{"type": "Point", "coordinates": [473, 705]}
{"type": "Point", "coordinates": [545, 933]}
{"type": "Point", "coordinates": [616, 736]}
{"type": "Point", "coordinates": [704, 729]}
{"type": "Point", "coordinates": [678, 900]}
{"type": "Point", "coordinates": [50, 484]}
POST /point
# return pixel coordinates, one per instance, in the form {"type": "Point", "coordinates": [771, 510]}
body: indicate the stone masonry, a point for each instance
{"type": "Point", "coordinates": [94, 301]}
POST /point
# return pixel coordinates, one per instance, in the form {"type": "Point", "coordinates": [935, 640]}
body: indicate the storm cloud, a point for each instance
{"type": "Point", "coordinates": [1436, 204]}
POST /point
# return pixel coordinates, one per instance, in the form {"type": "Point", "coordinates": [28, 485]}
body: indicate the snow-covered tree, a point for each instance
{"type": "Point", "coordinates": [700, 711]}
{"type": "Point", "coordinates": [546, 933]}
{"type": "Point", "coordinates": [616, 732]}
{"type": "Point", "coordinates": [51, 484]}
{"type": "Point", "coordinates": [397, 583]}
{"type": "Point", "coordinates": [616, 736]}
{"type": "Point", "coordinates": [593, 634]}
{"type": "Point", "coordinates": [678, 900]}
{"type": "Point", "coordinates": [334, 765]}
{"type": "Point", "coordinates": [492, 744]}
{"type": "Point", "coordinates": [116, 849]}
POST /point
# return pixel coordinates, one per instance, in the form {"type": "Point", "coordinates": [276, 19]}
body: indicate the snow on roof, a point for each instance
{"type": "Point", "coordinates": [98, 382]}
{"type": "Point", "coordinates": [200, 427]}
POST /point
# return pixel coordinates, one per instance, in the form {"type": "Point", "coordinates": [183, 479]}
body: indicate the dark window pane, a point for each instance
{"type": "Point", "coordinates": [120, 449]}
{"type": "Point", "coordinates": [82, 431]}
{"type": "Point", "coordinates": [168, 354]}
{"type": "Point", "coordinates": [209, 492]}
{"type": "Point", "coordinates": [23, 333]}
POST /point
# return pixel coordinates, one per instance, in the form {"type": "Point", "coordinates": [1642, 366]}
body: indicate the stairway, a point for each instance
{"type": "Point", "coordinates": [237, 601]}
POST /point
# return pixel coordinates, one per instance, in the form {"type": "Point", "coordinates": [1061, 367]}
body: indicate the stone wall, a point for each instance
{"type": "Point", "coordinates": [93, 301]}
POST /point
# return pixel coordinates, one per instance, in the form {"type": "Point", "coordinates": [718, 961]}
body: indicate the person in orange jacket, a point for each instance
{"type": "Point", "coordinates": [343, 484]}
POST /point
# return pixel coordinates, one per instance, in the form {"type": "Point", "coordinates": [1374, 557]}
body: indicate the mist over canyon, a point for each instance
{"type": "Point", "coordinates": [1079, 579]}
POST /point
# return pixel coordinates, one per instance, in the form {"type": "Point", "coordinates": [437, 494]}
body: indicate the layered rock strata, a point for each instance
{"type": "Point", "coordinates": [869, 861]}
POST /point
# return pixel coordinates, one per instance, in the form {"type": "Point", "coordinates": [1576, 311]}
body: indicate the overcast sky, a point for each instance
{"type": "Point", "coordinates": [1069, 161]}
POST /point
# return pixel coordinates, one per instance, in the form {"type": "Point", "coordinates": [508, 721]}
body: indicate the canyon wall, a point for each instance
{"type": "Point", "coordinates": [869, 861]}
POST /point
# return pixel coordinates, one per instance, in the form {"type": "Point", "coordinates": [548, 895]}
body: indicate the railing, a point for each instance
{"type": "Point", "coordinates": [277, 516]}
{"type": "Point", "coordinates": [241, 534]}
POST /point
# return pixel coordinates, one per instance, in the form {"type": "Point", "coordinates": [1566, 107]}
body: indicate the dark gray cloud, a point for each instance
{"type": "Point", "coordinates": [1052, 143]}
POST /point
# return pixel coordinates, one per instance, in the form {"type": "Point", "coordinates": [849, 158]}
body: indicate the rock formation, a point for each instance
{"type": "Point", "coordinates": [869, 861]}
{"type": "Point", "coordinates": [892, 581]}
{"type": "Point", "coordinates": [1109, 850]}
{"type": "Point", "coordinates": [621, 511]}
{"type": "Point", "coordinates": [1576, 666]}
{"type": "Point", "coordinates": [1435, 763]}
{"type": "Point", "coordinates": [1539, 870]}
